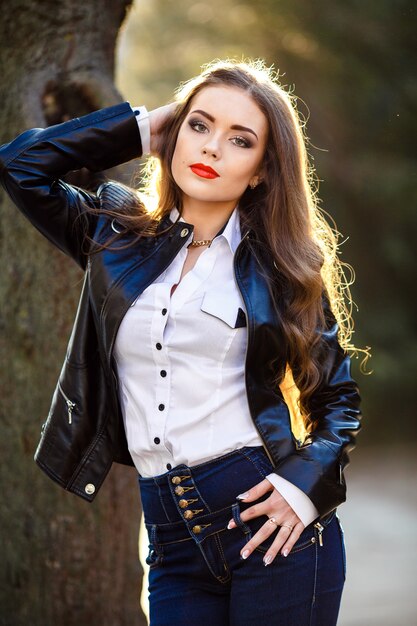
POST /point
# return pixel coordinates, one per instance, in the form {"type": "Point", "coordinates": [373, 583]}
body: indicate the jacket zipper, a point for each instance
{"type": "Point", "coordinates": [70, 405]}
{"type": "Point", "coordinates": [320, 529]}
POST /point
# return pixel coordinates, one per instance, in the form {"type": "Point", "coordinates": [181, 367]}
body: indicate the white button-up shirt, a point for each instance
{"type": "Point", "coordinates": [180, 359]}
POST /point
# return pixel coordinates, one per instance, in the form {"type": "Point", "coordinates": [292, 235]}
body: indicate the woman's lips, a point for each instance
{"type": "Point", "coordinates": [204, 171]}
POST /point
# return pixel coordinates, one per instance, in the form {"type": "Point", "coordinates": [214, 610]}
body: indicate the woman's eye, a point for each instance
{"type": "Point", "coordinates": [241, 142]}
{"type": "Point", "coordinates": [198, 126]}
{"type": "Point", "coordinates": [201, 127]}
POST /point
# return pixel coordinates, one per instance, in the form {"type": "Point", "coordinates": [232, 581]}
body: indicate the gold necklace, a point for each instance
{"type": "Point", "coordinates": [201, 242]}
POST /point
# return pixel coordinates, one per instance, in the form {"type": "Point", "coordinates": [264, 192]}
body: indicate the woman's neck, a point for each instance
{"type": "Point", "coordinates": [207, 217]}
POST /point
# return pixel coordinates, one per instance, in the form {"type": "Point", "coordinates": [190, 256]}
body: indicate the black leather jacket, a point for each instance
{"type": "Point", "coordinates": [83, 433]}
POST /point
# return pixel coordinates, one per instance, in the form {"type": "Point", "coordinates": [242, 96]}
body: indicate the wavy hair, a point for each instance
{"type": "Point", "coordinates": [307, 277]}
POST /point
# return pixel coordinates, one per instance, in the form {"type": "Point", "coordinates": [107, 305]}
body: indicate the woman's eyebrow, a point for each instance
{"type": "Point", "coordinates": [234, 127]}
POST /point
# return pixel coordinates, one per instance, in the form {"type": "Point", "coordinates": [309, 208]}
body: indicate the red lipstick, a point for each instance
{"type": "Point", "coordinates": [205, 171]}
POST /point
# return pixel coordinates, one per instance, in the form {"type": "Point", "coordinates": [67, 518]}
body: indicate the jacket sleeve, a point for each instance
{"type": "Point", "coordinates": [31, 167]}
{"type": "Point", "coordinates": [317, 466]}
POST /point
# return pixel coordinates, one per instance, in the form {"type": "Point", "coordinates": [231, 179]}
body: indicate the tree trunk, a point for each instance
{"type": "Point", "coordinates": [64, 562]}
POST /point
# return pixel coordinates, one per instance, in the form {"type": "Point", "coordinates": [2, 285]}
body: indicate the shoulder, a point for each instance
{"type": "Point", "coordinates": [115, 196]}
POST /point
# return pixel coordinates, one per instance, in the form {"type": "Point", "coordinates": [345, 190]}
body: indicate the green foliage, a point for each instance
{"type": "Point", "coordinates": [350, 64]}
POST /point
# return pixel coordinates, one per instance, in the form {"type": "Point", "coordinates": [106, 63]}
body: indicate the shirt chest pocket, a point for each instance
{"type": "Point", "coordinates": [225, 306]}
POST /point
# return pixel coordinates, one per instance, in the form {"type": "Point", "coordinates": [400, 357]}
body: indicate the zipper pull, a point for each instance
{"type": "Point", "coordinates": [71, 406]}
{"type": "Point", "coordinates": [320, 529]}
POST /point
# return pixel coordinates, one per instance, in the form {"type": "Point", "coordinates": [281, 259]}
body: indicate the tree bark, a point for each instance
{"type": "Point", "coordinates": [64, 562]}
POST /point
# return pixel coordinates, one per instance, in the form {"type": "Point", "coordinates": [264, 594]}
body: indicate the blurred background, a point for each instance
{"type": "Point", "coordinates": [352, 66]}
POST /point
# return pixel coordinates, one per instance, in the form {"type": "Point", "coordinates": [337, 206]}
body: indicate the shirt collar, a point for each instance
{"type": "Point", "coordinates": [231, 231]}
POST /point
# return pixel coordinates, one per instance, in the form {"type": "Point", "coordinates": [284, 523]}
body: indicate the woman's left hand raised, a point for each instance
{"type": "Point", "coordinates": [280, 514]}
{"type": "Point", "coordinates": [158, 118]}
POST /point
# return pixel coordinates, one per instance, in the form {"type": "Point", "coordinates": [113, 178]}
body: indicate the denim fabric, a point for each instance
{"type": "Point", "coordinates": [196, 575]}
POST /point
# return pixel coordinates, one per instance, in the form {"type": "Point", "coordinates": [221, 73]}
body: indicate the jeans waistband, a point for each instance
{"type": "Point", "coordinates": [201, 496]}
{"type": "Point", "coordinates": [194, 502]}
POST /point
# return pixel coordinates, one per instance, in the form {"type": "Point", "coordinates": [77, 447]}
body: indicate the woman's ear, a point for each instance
{"type": "Point", "coordinates": [261, 173]}
{"type": "Point", "coordinates": [255, 180]}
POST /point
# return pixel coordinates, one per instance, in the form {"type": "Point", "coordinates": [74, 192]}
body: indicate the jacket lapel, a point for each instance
{"type": "Point", "coordinates": [266, 351]}
{"type": "Point", "coordinates": [117, 277]}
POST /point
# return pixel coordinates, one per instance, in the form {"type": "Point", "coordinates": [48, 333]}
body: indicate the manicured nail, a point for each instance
{"type": "Point", "coordinates": [285, 553]}
{"type": "Point", "coordinates": [242, 496]}
{"type": "Point", "coordinates": [231, 524]}
{"type": "Point", "coordinates": [267, 560]}
{"type": "Point", "coordinates": [245, 554]}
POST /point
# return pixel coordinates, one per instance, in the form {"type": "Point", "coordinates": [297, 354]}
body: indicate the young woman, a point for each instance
{"type": "Point", "coordinates": [210, 347]}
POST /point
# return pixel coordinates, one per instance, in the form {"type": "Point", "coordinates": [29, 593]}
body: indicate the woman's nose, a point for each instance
{"type": "Point", "coordinates": [211, 149]}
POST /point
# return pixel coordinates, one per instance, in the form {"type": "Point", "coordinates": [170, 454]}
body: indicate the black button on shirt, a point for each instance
{"type": "Point", "coordinates": [157, 440]}
{"type": "Point", "coordinates": [163, 373]}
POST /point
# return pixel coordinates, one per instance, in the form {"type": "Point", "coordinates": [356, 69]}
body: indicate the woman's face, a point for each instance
{"type": "Point", "coordinates": [226, 132]}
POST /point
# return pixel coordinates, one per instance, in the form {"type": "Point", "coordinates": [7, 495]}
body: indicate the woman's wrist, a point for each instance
{"type": "Point", "coordinates": [143, 120]}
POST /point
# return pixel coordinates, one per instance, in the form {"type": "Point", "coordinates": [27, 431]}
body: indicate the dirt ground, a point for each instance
{"type": "Point", "coordinates": [379, 520]}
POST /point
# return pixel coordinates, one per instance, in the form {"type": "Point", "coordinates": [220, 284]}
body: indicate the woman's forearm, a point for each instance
{"type": "Point", "coordinates": [32, 165]}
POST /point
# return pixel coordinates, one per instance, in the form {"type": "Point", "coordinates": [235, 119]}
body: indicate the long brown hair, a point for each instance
{"type": "Point", "coordinates": [283, 212]}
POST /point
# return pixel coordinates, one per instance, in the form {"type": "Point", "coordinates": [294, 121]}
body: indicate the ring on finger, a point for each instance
{"type": "Point", "coordinates": [273, 521]}
{"type": "Point", "coordinates": [288, 526]}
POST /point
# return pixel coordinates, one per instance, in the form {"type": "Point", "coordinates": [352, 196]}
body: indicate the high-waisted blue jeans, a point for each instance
{"type": "Point", "coordinates": [196, 575]}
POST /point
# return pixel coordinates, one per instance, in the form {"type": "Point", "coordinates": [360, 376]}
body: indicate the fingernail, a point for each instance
{"type": "Point", "coordinates": [267, 559]}
{"type": "Point", "coordinates": [245, 554]}
{"type": "Point", "coordinates": [231, 524]}
{"type": "Point", "coordinates": [242, 496]}
{"type": "Point", "coordinates": [285, 553]}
